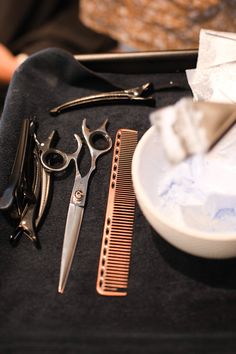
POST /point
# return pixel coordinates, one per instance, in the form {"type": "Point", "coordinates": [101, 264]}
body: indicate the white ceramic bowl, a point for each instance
{"type": "Point", "coordinates": [149, 165]}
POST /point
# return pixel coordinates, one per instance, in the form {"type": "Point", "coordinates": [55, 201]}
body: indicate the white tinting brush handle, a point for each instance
{"type": "Point", "coordinates": [189, 127]}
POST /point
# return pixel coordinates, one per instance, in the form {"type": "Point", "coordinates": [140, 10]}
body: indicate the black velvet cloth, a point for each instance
{"type": "Point", "coordinates": [176, 303]}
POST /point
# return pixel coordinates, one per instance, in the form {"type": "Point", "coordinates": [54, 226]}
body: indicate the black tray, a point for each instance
{"type": "Point", "coordinates": [176, 302]}
{"type": "Point", "coordinates": [141, 62]}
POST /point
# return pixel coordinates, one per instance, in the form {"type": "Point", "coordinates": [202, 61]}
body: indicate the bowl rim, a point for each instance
{"type": "Point", "coordinates": [141, 195]}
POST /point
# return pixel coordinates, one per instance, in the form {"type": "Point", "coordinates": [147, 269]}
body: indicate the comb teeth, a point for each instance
{"type": "Point", "coordinates": [113, 271]}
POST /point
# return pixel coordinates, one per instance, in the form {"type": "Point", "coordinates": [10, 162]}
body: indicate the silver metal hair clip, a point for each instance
{"type": "Point", "coordinates": [137, 94]}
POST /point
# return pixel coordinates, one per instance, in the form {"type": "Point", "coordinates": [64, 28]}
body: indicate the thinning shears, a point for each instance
{"type": "Point", "coordinates": [79, 191]}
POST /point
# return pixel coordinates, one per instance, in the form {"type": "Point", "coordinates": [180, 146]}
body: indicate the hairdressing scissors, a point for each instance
{"type": "Point", "coordinates": [79, 190]}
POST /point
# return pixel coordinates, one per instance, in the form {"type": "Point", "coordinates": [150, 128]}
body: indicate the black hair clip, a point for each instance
{"type": "Point", "coordinates": [19, 190]}
{"type": "Point", "coordinates": [26, 197]}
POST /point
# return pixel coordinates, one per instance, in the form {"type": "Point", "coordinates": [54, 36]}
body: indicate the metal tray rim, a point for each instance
{"type": "Point", "coordinates": [140, 62]}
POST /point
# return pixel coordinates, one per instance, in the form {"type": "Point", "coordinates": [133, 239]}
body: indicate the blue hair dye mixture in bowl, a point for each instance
{"type": "Point", "coordinates": [192, 204]}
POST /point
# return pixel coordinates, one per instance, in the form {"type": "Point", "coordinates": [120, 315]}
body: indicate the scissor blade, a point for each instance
{"type": "Point", "coordinates": [73, 224]}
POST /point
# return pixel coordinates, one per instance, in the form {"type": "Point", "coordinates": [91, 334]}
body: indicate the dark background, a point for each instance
{"type": "Point", "coordinates": [176, 302]}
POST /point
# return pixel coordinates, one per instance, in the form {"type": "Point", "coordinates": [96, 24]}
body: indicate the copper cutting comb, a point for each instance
{"type": "Point", "coordinates": [114, 263]}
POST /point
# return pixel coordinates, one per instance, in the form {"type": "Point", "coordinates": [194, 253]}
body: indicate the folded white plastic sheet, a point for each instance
{"type": "Point", "coordinates": [214, 78]}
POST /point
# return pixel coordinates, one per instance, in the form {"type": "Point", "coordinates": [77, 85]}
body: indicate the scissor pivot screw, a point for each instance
{"type": "Point", "coordinates": [79, 195]}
